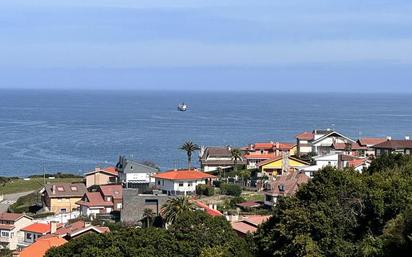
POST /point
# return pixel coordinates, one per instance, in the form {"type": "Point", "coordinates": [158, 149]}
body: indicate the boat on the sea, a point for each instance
{"type": "Point", "coordinates": [182, 107]}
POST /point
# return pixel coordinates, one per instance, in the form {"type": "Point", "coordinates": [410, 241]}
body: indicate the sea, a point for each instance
{"type": "Point", "coordinates": [75, 131]}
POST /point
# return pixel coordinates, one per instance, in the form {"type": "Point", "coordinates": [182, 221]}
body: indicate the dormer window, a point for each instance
{"type": "Point", "coordinates": [73, 188]}
{"type": "Point", "coordinates": [60, 189]}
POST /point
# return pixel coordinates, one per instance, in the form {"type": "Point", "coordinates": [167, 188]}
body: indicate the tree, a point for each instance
{"type": "Point", "coordinates": [236, 156]}
{"type": "Point", "coordinates": [175, 207]}
{"type": "Point", "coordinates": [148, 216]}
{"type": "Point", "coordinates": [189, 147]}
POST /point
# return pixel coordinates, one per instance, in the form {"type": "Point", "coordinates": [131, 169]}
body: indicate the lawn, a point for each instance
{"type": "Point", "coordinates": [21, 185]}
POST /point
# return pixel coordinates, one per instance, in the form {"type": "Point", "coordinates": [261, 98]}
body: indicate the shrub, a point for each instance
{"type": "Point", "coordinates": [231, 189]}
{"type": "Point", "coordinates": [205, 190]}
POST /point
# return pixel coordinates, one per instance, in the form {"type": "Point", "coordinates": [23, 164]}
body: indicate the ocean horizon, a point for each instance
{"type": "Point", "coordinates": [76, 130]}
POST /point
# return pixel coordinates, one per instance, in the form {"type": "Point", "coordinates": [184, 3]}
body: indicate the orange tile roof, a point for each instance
{"type": "Point", "coordinates": [356, 163]}
{"type": "Point", "coordinates": [108, 170]}
{"type": "Point", "coordinates": [183, 175]}
{"type": "Point", "coordinates": [94, 199]}
{"type": "Point", "coordinates": [41, 246]}
{"type": "Point", "coordinates": [39, 228]}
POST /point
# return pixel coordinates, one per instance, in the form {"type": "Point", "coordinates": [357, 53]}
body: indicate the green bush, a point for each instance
{"type": "Point", "coordinates": [230, 189]}
{"type": "Point", "coordinates": [42, 215]}
{"type": "Point", "coordinates": [205, 190]}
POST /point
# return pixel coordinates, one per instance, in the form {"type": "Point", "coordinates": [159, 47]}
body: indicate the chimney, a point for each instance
{"type": "Point", "coordinates": [407, 138]}
{"type": "Point", "coordinates": [388, 138]}
{"type": "Point", "coordinates": [53, 227]}
{"type": "Point", "coordinates": [54, 189]}
{"type": "Point", "coordinates": [277, 145]}
{"type": "Point", "coordinates": [87, 224]}
{"type": "Point", "coordinates": [229, 148]}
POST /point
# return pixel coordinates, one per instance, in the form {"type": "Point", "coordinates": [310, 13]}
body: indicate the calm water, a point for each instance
{"type": "Point", "coordinates": [73, 131]}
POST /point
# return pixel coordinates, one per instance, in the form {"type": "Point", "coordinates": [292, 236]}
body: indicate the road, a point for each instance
{"type": "Point", "coordinates": [10, 199]}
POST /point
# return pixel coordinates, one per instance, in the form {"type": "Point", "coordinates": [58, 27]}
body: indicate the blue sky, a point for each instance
{"type": "Point", "coordinates": [295, 45]}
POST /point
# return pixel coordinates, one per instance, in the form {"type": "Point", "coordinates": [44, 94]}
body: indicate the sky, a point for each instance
{"type": "Point", "coordinates": [239, 45]}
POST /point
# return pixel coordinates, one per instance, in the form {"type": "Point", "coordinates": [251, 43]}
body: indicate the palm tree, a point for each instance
{"type": "Point", "coordinates": [236, 155]}
{"type": "Point", "coordinates": [175, 207]}
{"type": "Point", "coordinates": [148, 216]}
{"type": "Point", "coordinates": [189, 147]}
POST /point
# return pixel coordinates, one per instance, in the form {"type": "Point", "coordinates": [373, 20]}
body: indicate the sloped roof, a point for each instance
{"type": "Point", "coordinates": [305, 136]}
{"type": "Point", "coordinates": [12, 216]}
{"type": "Point", "coordinates": [66, 190]}
{"type": "Point", "coordinates": [108, 170]}
{"type": "Point", "coordinates": [264, 146]}
{"type": "Point", "coordinates": [79, 227]}
{"type": "Point", "coordinates": [395, 144]}
{"type": "Point", "coordinates": [290, 183]}
{"type": "Point", "coordinates": [354, 146]}
{"type": "Point", "coordinates": [259, 156]}
{"type": "Point", "coordinates": [262, 163]}
{"type": "Point", "coordinates": [248, 224]}
{"type": "Point", "coordinates": [213, 151]}
{"type": "Point", "coordinates": [207, 209]}
{"type": "Point", "coordinates": [131, 166]}
{"type": "Point", "coordinates": [115, 191]}
{"type": "Point", "coordinates": [41, 246]}
{"type": "Point", "coordinates": [330, 134]}
{"type": "Point", "coordinates": [94, 199]}
{"type": "Point", "coordinates": [370, 141]}
{"type": "Point", "coordinates": [39, 228]}
{"type": "Point", "coordinates": [183, 175]}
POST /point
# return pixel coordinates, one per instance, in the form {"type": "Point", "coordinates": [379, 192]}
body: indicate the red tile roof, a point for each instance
{"type": "Point", "coordinates": [79, 227]}
{"type": "Point", "coordinates": [94, 199]}
{"type": "Point", "coordinates": [183, 175]}
{"type": "Point", "coordinates": [115, 191]}
{"type": "Point", "coordinates": [249, 204]}
{"type": "Point", "coordinates": [259, 156]}
{"type": "Point", "coordinates": [395, 144]}
{"type": "Point", "coordinates": [369, 141]}
{"type": "Point", "coordinates": [263, 146]}
{"type": "Point", "coordinates": [356, 163]}
{"type": "Point", "coordinates": [207, 209]}
{"type": "Point", "coordinates": [305, 136]}
{"type": "Point", "coordinates": [286, 146]}
{"type": "Point", "coordinates": [108, 170]}
{"type": "Point", "coordinates": [11, 216]}
{"type": "Point", "coordinates": [39, 228]}
{"type": "Point", "coordinates": [41, 246]}
{"type": "Point", "coordinates": [248, 224]}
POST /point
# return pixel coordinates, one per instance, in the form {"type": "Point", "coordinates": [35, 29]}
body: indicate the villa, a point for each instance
{"type": "Point", "coordinates": [10, 225]}
{"type": "Point", "coordinates": [258, 152]}
{"type": "Point", "coordinates": [217, 158]}
{"type": "Point", "coordinates": [369, 142]}
{"type": "Point", "coordinates": [62, 197]}
{"type": "Point", "coordinates": [277, 166]}
{"type": "Point", "coordinates": [182, 182]}
{"type": "Point", "coordinates": [319, 142]}
{"type": "Point", "coordinates": [99, 176]}
{"type": "Point", "coordinates": [133, 174]}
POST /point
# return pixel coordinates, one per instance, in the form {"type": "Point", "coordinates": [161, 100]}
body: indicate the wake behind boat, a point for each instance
{"type": "Point", "coordinates": [182, 107]}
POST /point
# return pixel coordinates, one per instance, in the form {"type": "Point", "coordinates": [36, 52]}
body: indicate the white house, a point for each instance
{"type": "Point", "coordinates": [320, 142]}
{"type": "Point", "coordinates": [335, 160]}
{"type": "Point", "coordinates": [134, 174]}
{"type": "Point", "coordinates": [10, 226]}
{"type": "Point", "coordinates": [181, 182]}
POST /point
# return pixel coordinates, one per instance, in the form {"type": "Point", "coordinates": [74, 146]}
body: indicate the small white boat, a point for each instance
{"type": "Point", "coordinates": [182, 107]}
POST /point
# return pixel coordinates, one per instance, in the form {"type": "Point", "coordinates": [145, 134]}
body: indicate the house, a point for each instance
{"type": "Point", "coordinates": [135, 203]}
{"type": "Point", "coordinates": [335, 160]}
{"type": "Point", "coordinates": [35, 231]}
{"type": "Point", "coordinates": [106, 199]}
{"type": "Point", "coordinates": [133, 174]}
{"type": "Point", "coordinates": [62, 197]}
{"type": "Point", "coordinates": [248, 224]}
{"type": "Point", "coordinates": [319, 142]}
{"type": "Point", "coordinates": [77, 229]}
{"type": "Point", "coordinates": [99, 177]}
{"type": "Point", "coordinates": [393, 146]}
{"type": "Point", "coordinates": [217, 158]}
{"type": "Point", "coordinates": [278, 165]}
{"type": "Point", "coordinates": [284, 185]}
{"type": "Point", "coordinates": [358, 164]}
{"type": "Point", "coordinates": [40, 247]}
{"type": "Point", "coordinates": [259, 152]}
{"type": "Point", "coordinates": [368, 142]}
{"type": "Point", "coordinates": [210, 209]}
{"type": "Point", "coordinates": [10, 225]}
{"type": "Point", "coordinates": [182, 182]}
{"type": "Point", "coordinates": [350, 148]}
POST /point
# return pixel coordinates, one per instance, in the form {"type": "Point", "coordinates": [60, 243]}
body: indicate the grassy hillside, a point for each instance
{"type": "Point", "coordinates": [20, 185]}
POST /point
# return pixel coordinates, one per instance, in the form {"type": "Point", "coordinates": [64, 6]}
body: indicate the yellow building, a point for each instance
{"type": "Point", "coordinates": [275, 166]}
{"type": "Point", "coordinates": [62, 197]}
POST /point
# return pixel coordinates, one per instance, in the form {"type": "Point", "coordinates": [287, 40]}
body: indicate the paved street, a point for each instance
{"type": "Point", "coordinates": [10, 199]}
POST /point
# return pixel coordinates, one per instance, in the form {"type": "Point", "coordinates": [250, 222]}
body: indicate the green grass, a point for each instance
{"type": "Point", "coordinates": [248, 196]}
{"type": "Point", "coordinates": [20, 185]}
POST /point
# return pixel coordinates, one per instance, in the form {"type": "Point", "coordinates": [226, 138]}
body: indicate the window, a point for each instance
{"type": "Point", "coordinates": [119, 206]}
{"type": "Point", "coordinates": [60, 189]}
{"type": "Point", "coordinates": [158, 182]}
{"type": "Point", "coordinates": [180, 184]}
{"type": "Point", "coordinates": [29, 236]}
{"type": "Point", "coordinates": [108, 198]}
{"type": "Point", "coordinates": [63, 210]}
{"type": "Point", "coordinates": [5, 233]}
{"type": "Point", "coordinates": [59, 199]}
{"type": "Point", "coordinates": [73, 188]}
{"type": "Point", "coordinates": [190, 183]}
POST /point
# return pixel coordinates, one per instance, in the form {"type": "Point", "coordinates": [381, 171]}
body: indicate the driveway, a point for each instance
{"type": "Point", "coordinates": [10, 199]}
